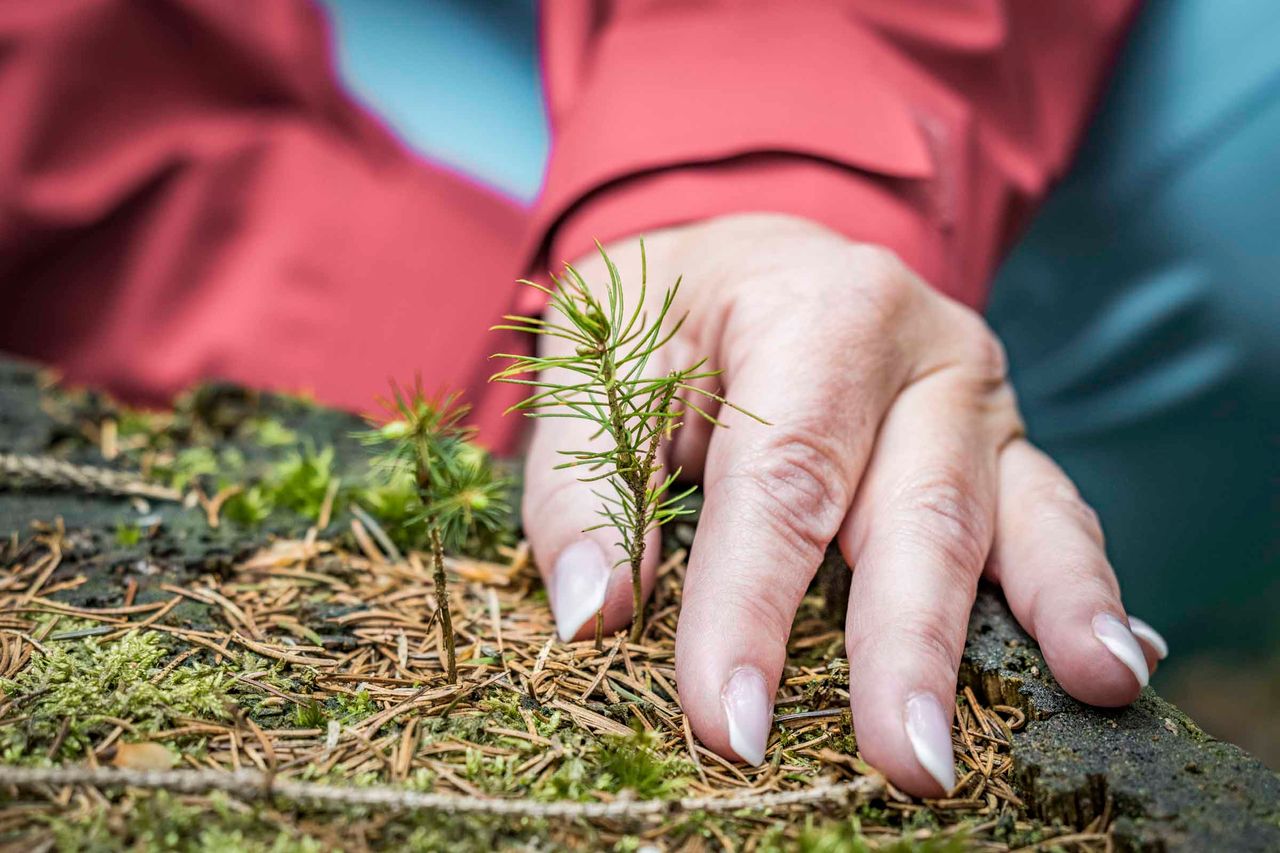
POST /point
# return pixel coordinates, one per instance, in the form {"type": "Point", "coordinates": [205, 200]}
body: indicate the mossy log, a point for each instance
{"type": "Point", "coordinates": [1167, 784]}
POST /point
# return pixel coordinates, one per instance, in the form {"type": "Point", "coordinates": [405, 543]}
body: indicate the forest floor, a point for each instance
{"type": "Point", "coordinates": [252, 647]}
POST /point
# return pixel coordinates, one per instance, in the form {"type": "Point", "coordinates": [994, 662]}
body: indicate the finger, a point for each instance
{"type": "Point", "coordinates": [1051, 562]}
{"type": "Point", "coordinates": [919, 534]}
{"type": "Point", "coordinates": [775, 496]}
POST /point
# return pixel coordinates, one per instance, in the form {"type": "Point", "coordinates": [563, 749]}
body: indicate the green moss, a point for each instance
{"type": "Point", "coordinates": [923, 819]}
{"type": "Point", "coordinates": [300, 482]}
{"type": "Point", "coordinates": [352, 708]}
{"type": "Point", "coordinates": [128, 535]}
{"type": "Point", "coordinates": [164, 822]}
{"type": "Point", "coordinates": [132, 423]}
{"type": "Point", "coordinates": [268, 432]}
{"type": "Point", "coordinates": [190, 463]}
{"type": "Point", "coordinates": [633, 763]}
{"type": "Point", "coordinates": [614, 764]}
{"type": "Point", "coordinates": [83, 685]}
{"type": "Point", "coordinates": [846, 836]}
{"type": "Point", "coordinates": [297, 484]}
{"type": "Point", "coordinates": [570, 781]}
{"type": "Point", "coordinates": [393, 501]}
{"type": "Point", "coordinates": [249, 508]}
{"type": "Point", "coordinates": [309, 715]}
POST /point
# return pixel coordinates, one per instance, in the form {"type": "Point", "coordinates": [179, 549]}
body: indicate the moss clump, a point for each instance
{"type": "Point", "coordinates": [298, 484]}
{"type": "Point", "coordinates": [846, 836]}
{"type": "Point", "coordinates": [268, 432]}
{"type": "Point", "coordinates": [393, 501]}
{"type": "Point", "coordinates": [309, 715]}
{"type": "Point", "coordinates": [614, 764]}
{"type": "Point", "coordinates": [128, 535]}
{"type": "Point", "coordinates": [250, 507]}
{"type": "Point", "coordinates": [161, 821]}
{"type": "Point", "coordinates": [74, 691]}
{"type": "Point", "coordinates": [192, 463]}
{"type": "Point", "coordinates": [635, 764]}
{"type": "Point", "coordinates": [352, 708]}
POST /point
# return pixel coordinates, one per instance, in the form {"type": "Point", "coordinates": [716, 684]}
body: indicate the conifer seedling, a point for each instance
{"type": "Point", "coordinates": [457, 494]}
{"type": "Point", "coordinates": [604, 379]}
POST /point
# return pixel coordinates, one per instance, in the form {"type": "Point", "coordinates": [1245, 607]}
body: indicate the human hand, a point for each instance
{"type": "Point", "coordinates": [894, 432]}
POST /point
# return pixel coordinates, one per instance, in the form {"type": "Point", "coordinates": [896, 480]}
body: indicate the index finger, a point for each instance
{"type": "Point", "coordinates": [775, 497]}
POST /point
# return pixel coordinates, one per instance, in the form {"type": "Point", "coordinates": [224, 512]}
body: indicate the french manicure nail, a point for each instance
{"type": "Point", "coordinates": [578, 586]}
{"type": "Point", "coordinates": [1119, 640]}
{"type": "Point", "coordinates": [1143, 631]}
{"type": "Point", "coordinates": [749, 710]}
{"type": "Point", "coordinates": [930, 736]}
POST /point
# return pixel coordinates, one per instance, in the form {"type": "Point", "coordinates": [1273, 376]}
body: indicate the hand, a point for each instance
{"type": "Point", "coordinates": [894, 432]}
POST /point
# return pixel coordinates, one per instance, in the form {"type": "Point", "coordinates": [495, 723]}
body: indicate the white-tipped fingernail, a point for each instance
{"type": "Point", "coordinates": [1143, 631]}
{"type": "Point", "coordinates": [578, 586]}
{"type": "Point", "coordinates": [930, 736]}
{"type": "Point", "coordinates": [1119, 640]}
{"type": "Point", "coordinates": [749, 709]}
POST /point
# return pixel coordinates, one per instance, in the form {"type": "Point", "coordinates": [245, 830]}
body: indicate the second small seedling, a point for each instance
{"type": "Point", "coordinates": [456, 491]}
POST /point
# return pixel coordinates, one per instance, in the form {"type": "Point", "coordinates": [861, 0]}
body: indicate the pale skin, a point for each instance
{"type": "Point", "coordinates": [894, 432]}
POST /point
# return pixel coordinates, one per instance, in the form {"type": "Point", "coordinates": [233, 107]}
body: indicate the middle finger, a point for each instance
{"type": "Point", "coordinates": [918, 535]}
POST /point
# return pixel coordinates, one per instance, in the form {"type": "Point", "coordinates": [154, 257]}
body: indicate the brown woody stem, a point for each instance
{"type": "Point", "coordinates": [442, 604]}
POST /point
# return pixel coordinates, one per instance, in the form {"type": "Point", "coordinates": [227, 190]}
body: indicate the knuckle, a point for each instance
{"type": "Point", "coordinates": [920, 637]}
{"type": "Point", "coordinates": [545, 498]}
{"type": "Point", "coordinates": [981, 351]}
{"type": "Point", "coordinates": [932, 641]}
{"type": "Point", "coordinates": [554, 511]}
{"type": "Point", "coordinates": [796, 483]}
{"type": "Point", "coordinates": [886, 288]}
{"type": "Point", "coordinates": [877, 261]}
{"type": "Point", "coordinates": [937, 511]}
{"type": "Point", "coordinates": [766, 610]}
{"type": "Point", "coordinates": [1058, 501]}
{"type": "Point", "coordinates": [1080, 577]}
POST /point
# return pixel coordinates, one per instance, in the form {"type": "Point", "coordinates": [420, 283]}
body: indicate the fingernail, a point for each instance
{"type": "Point", "coordinates": [930, 736]}
{"type": "Point", "coordinates": [1143, 631]}
{"type": "Point", "coordinates": [749, 710]}
{"type": "Point", "coordinates": [578, 585]}
{"type": "Point", "coordinates": [1119, 640]}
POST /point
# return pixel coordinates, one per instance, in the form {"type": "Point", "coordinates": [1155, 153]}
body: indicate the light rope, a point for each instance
{"type": "Point", "coordinates": [250, 784]}
{"type": "Point", "coordinates": [23, 471]}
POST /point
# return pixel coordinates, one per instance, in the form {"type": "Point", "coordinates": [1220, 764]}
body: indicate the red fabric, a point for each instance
{"type": "Point", "coordinates": [186, 192]}
{"type": "Point", "coordinates": [930, 127]}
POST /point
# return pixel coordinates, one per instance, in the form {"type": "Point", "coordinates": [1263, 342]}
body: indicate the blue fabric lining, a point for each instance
{"type": "Point", "coordinates": [458, 80]}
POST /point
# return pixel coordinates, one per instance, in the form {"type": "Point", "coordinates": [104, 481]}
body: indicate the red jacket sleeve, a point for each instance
{"type": "Point", "coordinates": [186, 192]}
{"type": "Point", "coordinates": [932, 128]}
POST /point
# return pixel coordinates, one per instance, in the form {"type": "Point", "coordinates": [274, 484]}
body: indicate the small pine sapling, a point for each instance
{"type": "Point", "coordinates": [610, 345]}
{"type": "Point", "coordinates": [457, 495]}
